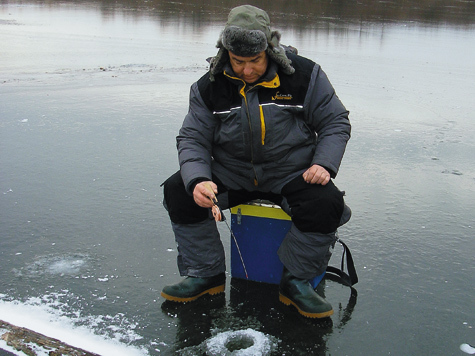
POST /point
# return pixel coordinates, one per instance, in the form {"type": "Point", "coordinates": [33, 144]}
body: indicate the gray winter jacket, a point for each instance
{"type": "Point", "coordinates": [262, 137]}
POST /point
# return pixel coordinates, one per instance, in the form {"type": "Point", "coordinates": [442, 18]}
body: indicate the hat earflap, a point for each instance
{"type": "Point", "coordinates": [276, 52]}
{"type": "Point", "coordinates": [217, 63]}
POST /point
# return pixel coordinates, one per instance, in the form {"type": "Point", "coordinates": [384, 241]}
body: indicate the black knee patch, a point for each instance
{"type": "Point", "coordinates": [181, 206]}
{"type": "Point", "coordinates": [314, 207]}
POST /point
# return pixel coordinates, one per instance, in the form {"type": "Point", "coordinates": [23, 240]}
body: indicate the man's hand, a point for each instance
{"type": "Point", "coordinates": [204, 193]}
{"type": "Point", "coordinates": [316, 175]}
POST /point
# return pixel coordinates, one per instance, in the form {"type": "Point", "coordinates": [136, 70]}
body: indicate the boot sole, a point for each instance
{"type": "Point", "coordinates": [211, 291]}
{"type": "Point", "coordinates": [287, 301]}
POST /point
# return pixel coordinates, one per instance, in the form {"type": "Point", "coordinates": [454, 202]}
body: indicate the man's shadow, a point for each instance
{"type": "Point", "coordinates": [256, 305]}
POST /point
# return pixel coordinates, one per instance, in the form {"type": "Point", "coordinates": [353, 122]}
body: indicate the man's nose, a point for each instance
{"type": "Point", "coordinates": [247, 69]}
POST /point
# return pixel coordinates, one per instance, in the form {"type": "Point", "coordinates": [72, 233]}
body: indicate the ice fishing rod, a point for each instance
{"type": "Point", "coordinates": [219, 216]}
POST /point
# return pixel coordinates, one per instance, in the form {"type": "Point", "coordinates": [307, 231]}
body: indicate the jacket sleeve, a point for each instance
{"type": "Point", "coordinates": [328, 117]}
{"type": "Point", "coordinates": [194, 141]}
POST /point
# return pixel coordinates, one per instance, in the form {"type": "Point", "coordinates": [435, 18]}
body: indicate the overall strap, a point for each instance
{"type": "Point", "coordinates": [351, 277]}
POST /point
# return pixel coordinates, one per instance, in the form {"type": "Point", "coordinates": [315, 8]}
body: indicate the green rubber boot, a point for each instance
{"type": "Point", "coordinates": [299, 293]}
{"type": "Point", "coordinates": [191, 288]}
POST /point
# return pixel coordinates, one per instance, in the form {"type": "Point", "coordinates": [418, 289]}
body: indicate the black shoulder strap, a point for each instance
{"type": "Point", "coordinates": [350, 278]}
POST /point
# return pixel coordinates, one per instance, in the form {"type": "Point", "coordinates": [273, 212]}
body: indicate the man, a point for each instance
{"type": "Point", "coordinates": [262, 124]}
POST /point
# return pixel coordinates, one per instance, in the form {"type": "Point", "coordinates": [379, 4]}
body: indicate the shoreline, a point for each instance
{"type": "Point", "coordinates": [21, 339]}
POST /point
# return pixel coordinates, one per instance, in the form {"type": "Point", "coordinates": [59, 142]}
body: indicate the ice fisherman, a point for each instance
{"type": "Point", "coordinates": [263, 123]}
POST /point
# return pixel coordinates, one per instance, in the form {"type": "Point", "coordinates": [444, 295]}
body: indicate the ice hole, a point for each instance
{"type": "Point", "coordinates": [239, 342]}
{"type": "Point", "coordinates": [247, 342]}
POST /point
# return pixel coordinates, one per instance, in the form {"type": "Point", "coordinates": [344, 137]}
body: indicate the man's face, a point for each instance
{"type": "Point", "coordinates": [249, 69]}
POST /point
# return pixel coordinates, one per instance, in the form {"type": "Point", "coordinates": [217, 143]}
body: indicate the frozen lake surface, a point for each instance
{"type": "Point", "coordinates": [92, 96]}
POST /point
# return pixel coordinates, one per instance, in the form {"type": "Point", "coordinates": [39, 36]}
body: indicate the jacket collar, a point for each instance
{"type": "Point", "coordinates": [269, 79]}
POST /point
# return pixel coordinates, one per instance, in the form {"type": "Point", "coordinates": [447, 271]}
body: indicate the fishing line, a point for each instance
{"type": "Point", "coordinates": [219, 216]}
{"type": "Point", "coordinates": [237, 246]}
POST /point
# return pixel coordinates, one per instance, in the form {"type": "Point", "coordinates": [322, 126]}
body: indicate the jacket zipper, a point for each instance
{"type": "Point", "coordinates": [256, 181]}
{"type": "Point", "coordinates": [243, 91]}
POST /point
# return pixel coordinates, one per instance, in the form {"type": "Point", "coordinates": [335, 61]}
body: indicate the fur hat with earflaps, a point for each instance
{"type": "Point", "coordinates": [246, 34]}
